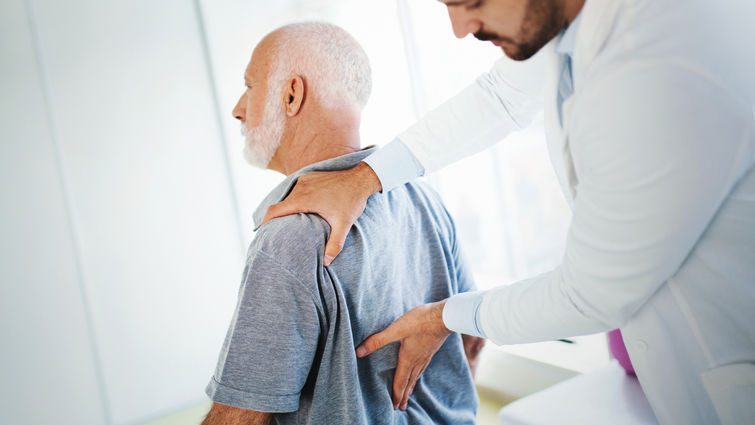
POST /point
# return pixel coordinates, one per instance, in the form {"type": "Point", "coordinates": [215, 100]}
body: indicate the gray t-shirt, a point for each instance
{"type": "Point", "coordinates": [290, 347]}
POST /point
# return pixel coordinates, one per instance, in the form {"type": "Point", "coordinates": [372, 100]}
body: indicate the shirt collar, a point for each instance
{"type": "Point", "coordinates": [281, 191]}
{"type": "Point", "coordinates": [565, 45]}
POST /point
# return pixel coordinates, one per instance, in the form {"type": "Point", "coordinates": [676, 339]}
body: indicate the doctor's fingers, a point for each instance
{"type": "Point", "coordinates": [284, 208]}
{"type": "Point", "coordinates": [379, 340]}
{"type": "Point", "coordinates": [415, 375]}
{"type": "Point", "coordinates": [338, 232]}
{"type": "Point", "coordinates": [339, 225]}
{"type": "Point", "coordinates": [304, 198]}
{"type": "Point", "coordinates": [401, 382]}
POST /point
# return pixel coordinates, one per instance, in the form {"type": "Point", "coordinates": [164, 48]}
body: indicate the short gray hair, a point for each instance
{"type": "Point", "coordinates": [335, 66]}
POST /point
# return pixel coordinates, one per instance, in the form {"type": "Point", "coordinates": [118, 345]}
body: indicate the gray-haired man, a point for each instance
{"type": "Point", "coordinates": [289, 354]}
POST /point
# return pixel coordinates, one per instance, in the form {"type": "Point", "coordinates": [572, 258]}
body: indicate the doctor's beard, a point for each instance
{"type": "Point", "coordinates": [543, 21]}
{"type": "Point", "coordinates": [261, 142]}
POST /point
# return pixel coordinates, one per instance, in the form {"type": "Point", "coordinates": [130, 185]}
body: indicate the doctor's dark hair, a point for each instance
{"type": "Point", "coordinates": [333, 63]}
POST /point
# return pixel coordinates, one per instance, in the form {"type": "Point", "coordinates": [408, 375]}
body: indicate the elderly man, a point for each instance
{"type": "Point", "coordinates": [289, 351]}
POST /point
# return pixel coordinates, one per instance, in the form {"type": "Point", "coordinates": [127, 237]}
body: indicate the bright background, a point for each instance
{"type": "Point", "coordinates": [126, 204]}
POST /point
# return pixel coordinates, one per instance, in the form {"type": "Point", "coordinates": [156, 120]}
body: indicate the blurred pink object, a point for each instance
{"type": "Point", "coordinates": [619, 350]}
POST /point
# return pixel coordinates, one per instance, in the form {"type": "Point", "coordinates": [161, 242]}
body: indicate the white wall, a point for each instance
{"type": "Point", "coordinates": [121, 248]}
{"type": "Point", "coordinates": [48, 359]}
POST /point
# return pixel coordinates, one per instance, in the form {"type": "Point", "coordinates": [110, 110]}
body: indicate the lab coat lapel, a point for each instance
{"type": "Point", "coordinates": [554, 132]}
{"type": "Point", "coordinates": [597, 21]}
{"type": "Point", "coordinates": [569, 171]}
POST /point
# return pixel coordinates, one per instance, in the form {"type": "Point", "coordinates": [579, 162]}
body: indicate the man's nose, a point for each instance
{"type": "Point", "coordinates": [462, 22]}
{"type": "Point", "coordinates": [238, 110]}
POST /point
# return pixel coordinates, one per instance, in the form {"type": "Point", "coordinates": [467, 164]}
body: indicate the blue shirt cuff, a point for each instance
{"type": "Point", "coordinates": [461, 311]}
{"type": "Point", "coordinates": [394, 165]}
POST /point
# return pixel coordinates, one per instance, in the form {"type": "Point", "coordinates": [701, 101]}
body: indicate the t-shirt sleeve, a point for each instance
{"type": "Point", "coordinates": [271, 341]}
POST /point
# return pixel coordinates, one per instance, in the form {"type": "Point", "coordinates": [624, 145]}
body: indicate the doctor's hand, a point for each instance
{"type": "Point", "coordinates": [421, 332]}
{"type": "Point", "coordinates": [339, 197]}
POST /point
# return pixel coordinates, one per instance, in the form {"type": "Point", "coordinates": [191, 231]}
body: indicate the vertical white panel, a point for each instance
{"type": "Point", "coordinates": [152, 208]}
{"type": "Point", "coordinates": [47, 365]}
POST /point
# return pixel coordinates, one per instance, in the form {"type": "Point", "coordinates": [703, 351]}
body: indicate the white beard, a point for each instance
{"type": "Point", "coordinates": [261, 142]}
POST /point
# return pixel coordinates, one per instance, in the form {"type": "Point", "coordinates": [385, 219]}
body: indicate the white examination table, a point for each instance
{"type": "Point", "coordinates": [605, 396]}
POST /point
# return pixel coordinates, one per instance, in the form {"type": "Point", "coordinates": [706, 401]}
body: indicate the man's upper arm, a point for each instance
{"type": "Point", "coordinates": [273, 337]}
{"type": "Point", "coordinates": [221, 414]}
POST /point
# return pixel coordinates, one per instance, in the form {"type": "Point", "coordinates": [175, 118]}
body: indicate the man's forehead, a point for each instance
{"type": "Point", "coordinates": [260, 58]}
{"type": "Point", "coordinates": [252, 68]}
{"type": "Point", "coordinates": [248, 71]}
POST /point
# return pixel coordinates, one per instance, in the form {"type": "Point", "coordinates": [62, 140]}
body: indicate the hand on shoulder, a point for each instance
{"type": "Point", "coordinates": [339, 197]}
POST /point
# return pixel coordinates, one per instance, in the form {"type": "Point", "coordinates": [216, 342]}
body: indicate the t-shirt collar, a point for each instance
{"type": "Point", "coordinates": [281, 191]}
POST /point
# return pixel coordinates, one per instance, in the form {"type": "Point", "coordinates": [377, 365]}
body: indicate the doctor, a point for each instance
{"type": "Point", "coordinates": [651, 131]}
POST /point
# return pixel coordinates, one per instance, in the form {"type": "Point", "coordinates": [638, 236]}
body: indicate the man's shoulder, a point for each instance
{"type": "Point", "coordinates": [422, 195]}
{"type": "Point", "coordinates": [294, 242]}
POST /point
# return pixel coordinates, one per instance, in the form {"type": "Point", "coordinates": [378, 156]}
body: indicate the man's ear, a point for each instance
{"type": "Point", "coordinates": [293, 95]}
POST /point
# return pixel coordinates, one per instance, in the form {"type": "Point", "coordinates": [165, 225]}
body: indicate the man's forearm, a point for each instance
{"type": "Point", "coordinates": [221, 414]}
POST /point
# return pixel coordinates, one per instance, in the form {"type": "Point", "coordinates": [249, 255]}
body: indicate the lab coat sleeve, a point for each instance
{"type": "Point", "coordinates": [394, 165]}
{"type": "Point", "coordinates": [501, 101]}
{"type": "Point", "coordinates": [656, 149]}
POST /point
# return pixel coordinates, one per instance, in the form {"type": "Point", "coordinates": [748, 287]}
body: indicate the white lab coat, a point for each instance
{"type": "Point", "coordinates": [656, 160]}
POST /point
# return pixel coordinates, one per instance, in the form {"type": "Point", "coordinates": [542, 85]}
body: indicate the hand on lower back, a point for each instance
{"type": "Point", "coordinates": [421, 332]}
{"type": "Point", "coordinates": [339, 197]}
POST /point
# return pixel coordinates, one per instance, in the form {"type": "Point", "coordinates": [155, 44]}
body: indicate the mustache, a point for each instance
{"type": "Point", "coordinates": [244, 130]}
{"type": "Point", "coordinates": [486, 36]}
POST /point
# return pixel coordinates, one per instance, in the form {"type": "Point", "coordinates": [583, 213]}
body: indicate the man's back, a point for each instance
{"type": "Point", "coordinates": [291, 344]}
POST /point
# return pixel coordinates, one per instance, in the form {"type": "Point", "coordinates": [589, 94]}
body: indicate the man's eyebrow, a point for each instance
{"type": "Point", "coordinates": [455, 3]}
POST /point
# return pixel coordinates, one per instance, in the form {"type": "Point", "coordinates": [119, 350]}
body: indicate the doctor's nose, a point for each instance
{"type": "Point", "coordinates": [239, 111]}
{"type": "Point", "coordinates": [462, 23]}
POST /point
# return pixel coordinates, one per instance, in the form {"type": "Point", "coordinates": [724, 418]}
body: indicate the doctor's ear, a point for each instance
{"type": "Point", "coordinates": [293, 95]}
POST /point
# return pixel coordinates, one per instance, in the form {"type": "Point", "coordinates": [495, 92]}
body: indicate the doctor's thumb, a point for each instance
{"type": "Point", "coordinates": [335, 242]}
